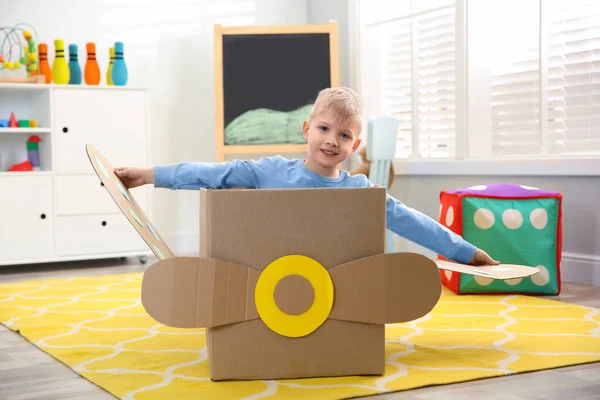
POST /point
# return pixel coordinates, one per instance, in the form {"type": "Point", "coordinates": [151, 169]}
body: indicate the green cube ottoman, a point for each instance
{"type": "Point", "coordinates": [514, 224]}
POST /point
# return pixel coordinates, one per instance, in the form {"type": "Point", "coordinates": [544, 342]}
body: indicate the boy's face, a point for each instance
{"type": "Point", "coordinates": [329, 142]}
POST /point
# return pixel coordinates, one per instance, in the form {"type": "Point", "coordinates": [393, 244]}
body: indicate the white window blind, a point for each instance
{"type": "Point", "coordinates": [545, 77]}
{"type": "Point", "coordinates": [436, 82]}
{"type": "Point", "coordinates": [514, 76]}
{"type": "Point", "coordinates": [573, 76]}
{"type": "Point", "coordinates": [396, 80]}
{"type": "Point", "coordinates": [416, 72]}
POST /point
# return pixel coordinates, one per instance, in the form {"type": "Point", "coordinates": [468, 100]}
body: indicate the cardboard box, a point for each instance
{"type": "Point", "coordinates": [288, 281]}
{"type": "Point", "coordinates": [256, 227]}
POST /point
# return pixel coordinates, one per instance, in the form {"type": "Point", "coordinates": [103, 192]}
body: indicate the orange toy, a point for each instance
{"type": "Point", "coordinates": [44, 66]}
{"type": "Point", "coordinates": [92, 70]}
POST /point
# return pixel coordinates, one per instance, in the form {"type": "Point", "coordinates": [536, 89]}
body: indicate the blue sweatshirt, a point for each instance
{"type": "Point", "coordinates": [278, 172]}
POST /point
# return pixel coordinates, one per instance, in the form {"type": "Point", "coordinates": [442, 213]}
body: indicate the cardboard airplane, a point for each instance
{"type": "Point", "coordinates": [294, 295]}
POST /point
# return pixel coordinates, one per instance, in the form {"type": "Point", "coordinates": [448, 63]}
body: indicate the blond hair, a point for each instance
{"type": "Point", "coordinates": [344, 103]}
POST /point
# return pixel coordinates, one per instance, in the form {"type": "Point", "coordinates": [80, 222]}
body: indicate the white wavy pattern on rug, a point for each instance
{"type": "Point", "coordinates": [83, 293]}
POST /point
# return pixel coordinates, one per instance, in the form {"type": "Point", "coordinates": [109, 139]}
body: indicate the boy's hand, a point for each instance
{"type": "Point", "coordinates": [483, 258]}
{"type": "Point", "coordinates": [133, 177]}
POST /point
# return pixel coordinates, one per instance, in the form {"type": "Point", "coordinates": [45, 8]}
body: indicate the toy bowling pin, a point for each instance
{"type": "Point", "coordinates": [119, 72]}
{"type": "Point", "coordinates": [92, 70]}
{"type": "Point", "coordinates": [111, 54]}
{"type": "Point", "coordinates": [44, 66]}
{"type": "Point", "coordinates": [33, 151]}
{"type": "Point", "coordinates": [74, 69]}
{"type": "Point", "coordinates": [60, 69]}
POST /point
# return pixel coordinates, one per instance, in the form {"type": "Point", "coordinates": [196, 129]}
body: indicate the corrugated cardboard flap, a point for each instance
{"type": "Point", "coordinates": [501, 271]}
{"type": "Point", "coordinates": [194, 292]}
{"type": "Point", "coordinates": [387, 288]}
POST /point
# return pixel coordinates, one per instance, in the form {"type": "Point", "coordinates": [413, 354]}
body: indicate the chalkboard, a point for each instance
{"type": "Point", "coordinates": [269, 81]}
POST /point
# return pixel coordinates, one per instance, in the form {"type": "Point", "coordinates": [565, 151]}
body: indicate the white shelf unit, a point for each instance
{"type": "Point", "coordinates": [62, 212]}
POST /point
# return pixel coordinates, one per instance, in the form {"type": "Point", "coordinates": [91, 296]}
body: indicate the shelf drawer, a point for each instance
{"type": "Point", "coordinates": [26, 217]}
{"type": "Point", "coordinates": [96, 234]}
{"type": "Point", "coordinates": [85, 194]}
{"type": "Point", "coordinates": [113, 121]}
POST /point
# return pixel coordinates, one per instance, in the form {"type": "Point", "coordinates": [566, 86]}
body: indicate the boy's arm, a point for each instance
{"type": "Point", "coordinates": [223, 175]}
{"type": "Point", "coordinates": [425, 231]}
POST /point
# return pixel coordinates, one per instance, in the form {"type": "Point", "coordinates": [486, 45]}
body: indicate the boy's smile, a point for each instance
{"type": "Point", "coordinates": [330, 142]}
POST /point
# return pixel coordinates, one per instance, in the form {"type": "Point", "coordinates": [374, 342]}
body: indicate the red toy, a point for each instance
{"type": "Point", "coordinates": [24, 166]}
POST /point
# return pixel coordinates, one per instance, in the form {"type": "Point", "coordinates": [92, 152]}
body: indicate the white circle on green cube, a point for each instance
{"type": "Point", "coordinates": [134, 215]}
{"type": "Point", "coordinates": [512, 218]}
{"type": "Point", "coordinates": [102, 168]}
{"type": "Point", "coordinates": [539, 218]}
{"type": "Point", "coordinates": [484, 218]}
{"type": "Point", "coordinates": [483, 281]}
{"type": "Point", "coordinates": [513, 281]}
{"type": "Point", "coordinates": [541, 278]}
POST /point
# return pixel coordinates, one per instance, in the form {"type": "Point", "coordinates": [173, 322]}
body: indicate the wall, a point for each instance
{"type": "Point", "coordinates": [320, 12]}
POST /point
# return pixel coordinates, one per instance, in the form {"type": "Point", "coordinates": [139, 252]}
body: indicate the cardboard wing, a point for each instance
{"type": "Point", "coordinates": [294, 294]}
{"type": "Point", "coordinates": [127, 204]}
{"type": "Point", "coordinates": [501, 271]}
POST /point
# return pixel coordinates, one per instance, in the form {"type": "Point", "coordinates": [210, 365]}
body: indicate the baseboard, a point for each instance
{"type": "Point", "coordinates": [580, 268]}
{"type": "Point", "coordinates": [183, 244]}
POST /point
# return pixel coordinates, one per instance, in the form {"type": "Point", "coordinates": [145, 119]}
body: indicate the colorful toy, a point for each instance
{"type": "Point", "coordinates": [111, 54]}
{"type": "Point", "coordinates": [44, 66]}
{"type": "Point", "coordinates": [16, 53]}
{"type": "Point", "coordinates": [60, 68]}
{"type": "Point", "coordinates": [33, 152]}
{"type": "Point", "coordinates": [13, 121]}
{"type": "Point", "coordinates": [21, 167]}
{"type": "Point", "coordinates": [515, 224]}
{"type": "Point", "coordinates": [92, 70]}
{"type": "Point", "coordinates": [74, 69]}
{"type": "Point", "coordinates": [119, 72]}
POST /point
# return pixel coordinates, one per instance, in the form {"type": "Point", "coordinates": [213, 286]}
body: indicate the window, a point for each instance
{"type": "Point", "coordinates": [573, 76]}
{"type": "Point", "coordinates": [411, 58]}
{"type": "Point", "coordinates": [525, 78]}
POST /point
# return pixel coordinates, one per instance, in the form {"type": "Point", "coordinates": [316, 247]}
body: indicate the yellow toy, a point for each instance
{"type": "Point", "coordinates": [16, 53]}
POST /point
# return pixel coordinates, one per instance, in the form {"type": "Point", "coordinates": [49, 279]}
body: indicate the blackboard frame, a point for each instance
{"type": "Point", "coordinates": [223, 150]}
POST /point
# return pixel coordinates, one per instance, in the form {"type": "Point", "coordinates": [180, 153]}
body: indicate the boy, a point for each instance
{"type": "Point", "coordinates": [332, 133]}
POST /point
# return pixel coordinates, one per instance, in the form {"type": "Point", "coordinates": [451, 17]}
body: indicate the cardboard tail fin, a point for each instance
{"type": "Point", "coordinates": [502, 271]}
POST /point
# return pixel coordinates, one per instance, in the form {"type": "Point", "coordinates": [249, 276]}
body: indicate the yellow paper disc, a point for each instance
{"type": "Point", "coordinates": [294, 325]}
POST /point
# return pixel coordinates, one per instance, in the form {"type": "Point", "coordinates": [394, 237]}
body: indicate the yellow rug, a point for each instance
{"type": "Point", "coordinates": [98, 327]}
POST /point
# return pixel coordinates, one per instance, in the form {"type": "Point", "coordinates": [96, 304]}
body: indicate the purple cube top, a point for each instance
{"type": "Point", "coordinates": [505, 190]}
